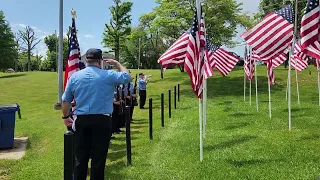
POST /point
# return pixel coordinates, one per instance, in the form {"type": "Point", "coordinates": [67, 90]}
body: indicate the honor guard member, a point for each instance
{"type": "Point", "coordinates": [92, 88]}
{"type": "Point", "coordinates": [115, 116]}
{"type": "Point", "coordinates": [142, 85]}
{"type": "Point", "coordinates": [130, 97]}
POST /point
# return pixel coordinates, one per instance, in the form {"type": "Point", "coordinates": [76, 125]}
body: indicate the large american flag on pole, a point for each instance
{"type": "Point", "coordinates": [191, 62]}
{"type": "Point", "coordinates": [249, 65]}
{"type": "Point", "coordinates": [176, 53]}
{"type": "Point", "coordinates": [310, 29]}
{"type": "Point", "coordinates": [206, 70]}
{"type": "Point", "coordinates": [270, 72]}
{"type": "Point", "coordinates": [72, 64]}
{"type": "Point", "coordinates": [222, 60]}
{"type": "Point", "coordinates": [273, 34]}
{"type": "Point", "coordinates": [299, 59]}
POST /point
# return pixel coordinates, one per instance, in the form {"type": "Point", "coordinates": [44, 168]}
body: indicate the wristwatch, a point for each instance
{"type": "Point", "coordinates": [65, 117]}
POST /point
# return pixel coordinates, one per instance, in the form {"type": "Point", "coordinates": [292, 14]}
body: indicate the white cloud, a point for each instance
{"type": "Point", "coordinates": [88, 36]}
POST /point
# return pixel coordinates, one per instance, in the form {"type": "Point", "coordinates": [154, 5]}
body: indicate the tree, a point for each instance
{"type": "Point", "coordinates": [51, 42]}
{"type": "Point", "coordinates": [119, 27]}
{"type": "Point", "coordinates": [8, 46]}
{"type": "Point", "coordinates": [30, 41]}
{"type": "Point", "coordinates": [173, 17]}
{"type": "Point", "coordinates": [267, 6]}
{"type": "Point", "coordinates": [17, 40]}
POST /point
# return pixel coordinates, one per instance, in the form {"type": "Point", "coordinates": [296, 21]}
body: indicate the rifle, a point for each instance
{"type": "Point", "coordinates": [122, 95]}
{"type": "Point", "coordinates": [135, 85]}
{"type": "Point", "coordinates": [134, 100]}
{"type": "Point", "coordinates": [129, 93]}
{"type": "Point", "coordinates": [120, 110]}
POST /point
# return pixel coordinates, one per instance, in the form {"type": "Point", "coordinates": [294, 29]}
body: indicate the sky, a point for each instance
{"type": "Point", "coordinates": [91, 18]}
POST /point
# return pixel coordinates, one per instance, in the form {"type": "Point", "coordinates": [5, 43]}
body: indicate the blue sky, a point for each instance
{"type": "Point", "coordinates": [91, 18]}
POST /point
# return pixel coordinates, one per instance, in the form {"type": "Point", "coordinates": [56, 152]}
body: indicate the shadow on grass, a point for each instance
{"type": "Point", "coordinates": [113, 170]}
{"type": "Point", "coordinates": [230, 143]}
{"type": "Point", "coordinates": [116, 155]}
{"type": "Point", "coordinates": [310, 137]}
{"type": "Point", "coordinates": [240, 114]}
{"type": "Point", "coordinates": [225, 86]}
{"type": "Point", "coordinates": [236, 126]}
{"type": "Point", "coordinates": [296, 109]}
{"type": "Point", "coordinates": [247, 162]}
{"type": "Point", "coordinates": [12, 76]}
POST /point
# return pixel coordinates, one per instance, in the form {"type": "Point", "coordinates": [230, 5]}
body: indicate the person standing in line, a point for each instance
{"type": "Point", "coordinates": [93, 90]}
{"type": "Point", "coordinates": [129, 92]}
{"type": "Point", "coordinates": [142, 85]}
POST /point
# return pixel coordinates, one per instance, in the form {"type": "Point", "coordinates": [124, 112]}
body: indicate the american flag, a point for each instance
{"type": "Point", "coordinates": [270, 72]}
{"type": "Point", "coordinates": [223, 60]}
{"type": "Point", "coordinates": [193, 56]}
{"type": "Point", "coordinates": [275, 61]}
{"type": "Point", "coordinates": [273, 34]}
{"type": "Point", "coordinates": [208, 55]}
{"type": "Point", "coordinates": [72, 64]}
{"type": "Point", "coordinates": [249, 65]}
{"type": "Point", "coordinates": [176, 54]}
{"type": "Point", "coordinates": [299, 59]}
{"type": "Point", "coordinates": [310, 29]}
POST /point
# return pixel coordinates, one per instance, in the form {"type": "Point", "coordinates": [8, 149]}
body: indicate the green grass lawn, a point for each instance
{"type": "Point", "coordinates": [240, 142]}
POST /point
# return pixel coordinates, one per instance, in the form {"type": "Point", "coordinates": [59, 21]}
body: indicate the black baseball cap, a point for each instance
{"type": "Point", "coordinates": [94, 53]}
{"type": "Point", "coordinates": [141, 74]}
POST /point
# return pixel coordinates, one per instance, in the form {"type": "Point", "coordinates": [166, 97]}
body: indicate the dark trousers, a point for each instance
{"type": "Point", "coordinates": [131, 112]}
{"type": "Point", "coordinates": [130, 104]}
{"type": "Point", "coordinates": [143, 96]}
{"type": "Point", "coordinates": [93, 133]}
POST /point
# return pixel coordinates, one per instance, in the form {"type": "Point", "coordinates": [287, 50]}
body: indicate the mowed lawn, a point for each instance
{"type": "Point", "coordinates": [240, 142]}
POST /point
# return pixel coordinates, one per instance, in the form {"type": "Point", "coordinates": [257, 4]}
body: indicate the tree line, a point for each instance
{"type": "Point", "coordinates": [147, 41]}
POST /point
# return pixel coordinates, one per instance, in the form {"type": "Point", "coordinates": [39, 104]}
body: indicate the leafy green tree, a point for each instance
{"type": "Point", "coordinates": [119, 27]}
{"type": "Point", "coordinates": [8, 46]}
{"type": "Point", "coordinates": [30, 42]}
{"type": "Point", "coordinates": [51, 42]}
{"type": "Point", "coordinates": [173, 17]}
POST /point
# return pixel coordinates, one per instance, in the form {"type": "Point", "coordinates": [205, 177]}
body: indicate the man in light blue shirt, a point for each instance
{"type": "Point", "coordinates": [93, 90]}
{"type": "Point", "coordinates": [142, 85]}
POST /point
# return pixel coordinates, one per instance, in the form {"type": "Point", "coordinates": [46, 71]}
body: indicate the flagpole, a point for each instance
{"type": "Point", "coordinates": [244, 75]}
{"type": "Point", "coordinates": [250, 74]}
{"type": "Point", "coordinates": [269, 89]}
{"type": "Point", "coordinates": [317, 61]}
{"type": "Point", "coordinates": [289, 72]}
{"type": "Point", "coordinates": [287, 88]}
{"type": "Point", "coordinates": [57, 106]}
{"type": "Point", "coordinates": [294, 37]}
{"type": "Point", "coordinates": [204, 94]}
{"type": "Point", "coordinates": [256, 82]}
{"type": "Point", "coordinates": [198, 6]}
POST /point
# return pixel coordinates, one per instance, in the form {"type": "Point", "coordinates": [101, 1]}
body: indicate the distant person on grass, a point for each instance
{"type": "Point", "coordinates": [142, 85]}
{"type": "Point", "coordinates": [92, 88]}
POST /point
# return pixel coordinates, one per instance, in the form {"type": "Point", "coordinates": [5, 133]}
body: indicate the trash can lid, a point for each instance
{"type": "Point", "coordinates": [9, 108]}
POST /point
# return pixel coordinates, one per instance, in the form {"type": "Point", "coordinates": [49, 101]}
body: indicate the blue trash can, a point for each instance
{"type": "Point", "coordinates": [7, 124]}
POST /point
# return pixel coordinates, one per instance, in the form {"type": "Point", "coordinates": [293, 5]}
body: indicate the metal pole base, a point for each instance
{"type": "Point", "coordinates": [57, 106]}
